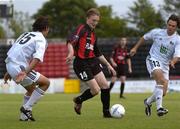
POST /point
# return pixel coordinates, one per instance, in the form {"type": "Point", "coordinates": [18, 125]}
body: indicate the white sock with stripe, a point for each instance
{"type": "Point", "coordinates": [36, 95]}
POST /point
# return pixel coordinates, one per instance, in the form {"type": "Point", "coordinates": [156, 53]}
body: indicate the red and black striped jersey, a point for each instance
{"type": "Point", "coordinates": [120, 55]}
{"type": "Point", "coordinates": [84, 42]}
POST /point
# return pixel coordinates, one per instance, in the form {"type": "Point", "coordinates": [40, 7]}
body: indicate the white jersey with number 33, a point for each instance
{"type": "Point", "coordinates": [28, 46]}
{"type": "Point", "coordinates": [164, 47]}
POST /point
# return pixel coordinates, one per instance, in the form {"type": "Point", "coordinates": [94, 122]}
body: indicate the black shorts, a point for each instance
{"type": "Point", "coordinates": [121, 70]}
{"type": "Point", "coordinates": [86, 69]}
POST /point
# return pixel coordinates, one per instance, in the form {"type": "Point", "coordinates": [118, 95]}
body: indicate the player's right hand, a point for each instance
{"type": "Point", "coordinates": [69, 58]}
{"type": "Point", "coordinates": [20, 77]}
{"type": "Point", "coordinates": [111, 70]}
{"type": "Point", "coordinates": [132, 52]}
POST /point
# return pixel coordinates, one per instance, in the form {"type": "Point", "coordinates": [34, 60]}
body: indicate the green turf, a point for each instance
{"type": "Point", "coordinates": [55, 111]}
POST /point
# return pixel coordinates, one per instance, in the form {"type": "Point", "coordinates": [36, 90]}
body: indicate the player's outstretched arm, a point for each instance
{"type": "Point", "coordinates": [138, 44]}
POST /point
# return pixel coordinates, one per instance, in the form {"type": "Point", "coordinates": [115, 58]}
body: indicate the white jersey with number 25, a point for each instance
{"type": "Point", "coordinates": [29, 45]}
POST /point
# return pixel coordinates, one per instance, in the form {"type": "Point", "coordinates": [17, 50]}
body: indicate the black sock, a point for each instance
{"type": "Point", "coordinates": [84, 96]}
{"type": "Point", "coordinates": [111, 85]}
{"type": "Point", "coordinates": [105, 99]}
{"type": "Point", "coordinates": [122, 89]}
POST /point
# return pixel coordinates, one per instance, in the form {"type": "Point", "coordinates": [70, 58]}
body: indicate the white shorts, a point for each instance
{"type": "Point", "coordinates": [13, 69]}
{"type": "Point", "coordinates": [153, 64]}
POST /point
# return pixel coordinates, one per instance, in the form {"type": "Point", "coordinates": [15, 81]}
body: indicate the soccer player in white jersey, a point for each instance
{"type": "Point", "coordinates": [26, 52]}
{"type": "Point", "coordinates": [164, 52]}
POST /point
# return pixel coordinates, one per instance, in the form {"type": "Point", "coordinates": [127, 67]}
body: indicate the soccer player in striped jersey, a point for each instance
{"type": "Point", "coordinates": [82, 44]}
{"type": "Point", "coordinates": [164, 52]}
{"type": "Point", "coordinates": [26, 52]}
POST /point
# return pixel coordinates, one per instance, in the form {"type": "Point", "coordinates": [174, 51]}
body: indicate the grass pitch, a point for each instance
{"type": "Point", "coordinates": [55, 111]}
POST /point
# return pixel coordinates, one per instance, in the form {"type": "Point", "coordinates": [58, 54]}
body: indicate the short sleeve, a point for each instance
{"type": "Point", "coordinates": [149, 35]}
{"type": "Point", "coordinates": [40, 48]}
{"type": "Point", "coordinates": [74, 36]}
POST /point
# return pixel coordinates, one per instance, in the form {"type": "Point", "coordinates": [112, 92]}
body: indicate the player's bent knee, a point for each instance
{"type": "Point", "coordinates": [44, 83]}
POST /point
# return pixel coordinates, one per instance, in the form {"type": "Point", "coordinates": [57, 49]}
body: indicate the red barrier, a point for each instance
{"type": "Point", "coordinates": [54, 64]}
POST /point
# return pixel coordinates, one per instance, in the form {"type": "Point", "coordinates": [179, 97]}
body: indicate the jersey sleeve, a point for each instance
{"type": "Point", "coordinates": [149, 35]}
{"type": "Point", "coordinates": [40, 47]}
{"type": "Point", "coordinates": [74, 36]}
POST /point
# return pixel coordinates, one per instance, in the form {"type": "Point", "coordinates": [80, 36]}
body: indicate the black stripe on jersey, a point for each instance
{"type": "Point", "coordinates": [88, 43]}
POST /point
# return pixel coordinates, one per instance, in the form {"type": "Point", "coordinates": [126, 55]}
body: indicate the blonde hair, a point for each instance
{"type": "Point", "coordinates": [92, 11]}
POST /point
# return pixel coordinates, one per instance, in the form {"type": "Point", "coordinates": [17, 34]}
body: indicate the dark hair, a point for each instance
{"type": "Point", "coordinates": [40, 24]}
{"type": "Point", "coordinates": [174, 17]}
{"type": "Point", "coordinates": [92, 11]}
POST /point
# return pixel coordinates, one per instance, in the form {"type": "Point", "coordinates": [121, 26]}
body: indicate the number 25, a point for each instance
{"type": "Point", "coordinates": [26, 38]}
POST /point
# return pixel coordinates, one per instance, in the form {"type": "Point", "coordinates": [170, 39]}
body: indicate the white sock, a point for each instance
{"type": "Point", "coordinates": [36, 95]}
{"type": "Point", "coordinates": [158, 96]}
{"type": "Point", "coordinates": [25, 99]}
{"type": "Point", "coordinates": [152, 98]}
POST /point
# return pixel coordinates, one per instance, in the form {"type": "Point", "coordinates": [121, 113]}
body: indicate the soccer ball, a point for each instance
{"type": "Point", "coordinates": [117, 111]}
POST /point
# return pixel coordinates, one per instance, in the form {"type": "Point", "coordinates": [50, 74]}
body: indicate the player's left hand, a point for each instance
{"type": "Point", "coordinates": [174, 61]}
{"type": "Point", "coordinates": [172, 64]}
{"type": "Point", "coordinates": [6, 77]}
{"type": "Point", "coordinates": [132, 52]}
{"type": "Point", "coordinates": [20, 77]}
{"type": "Point", "coordinates": [111, 70]}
